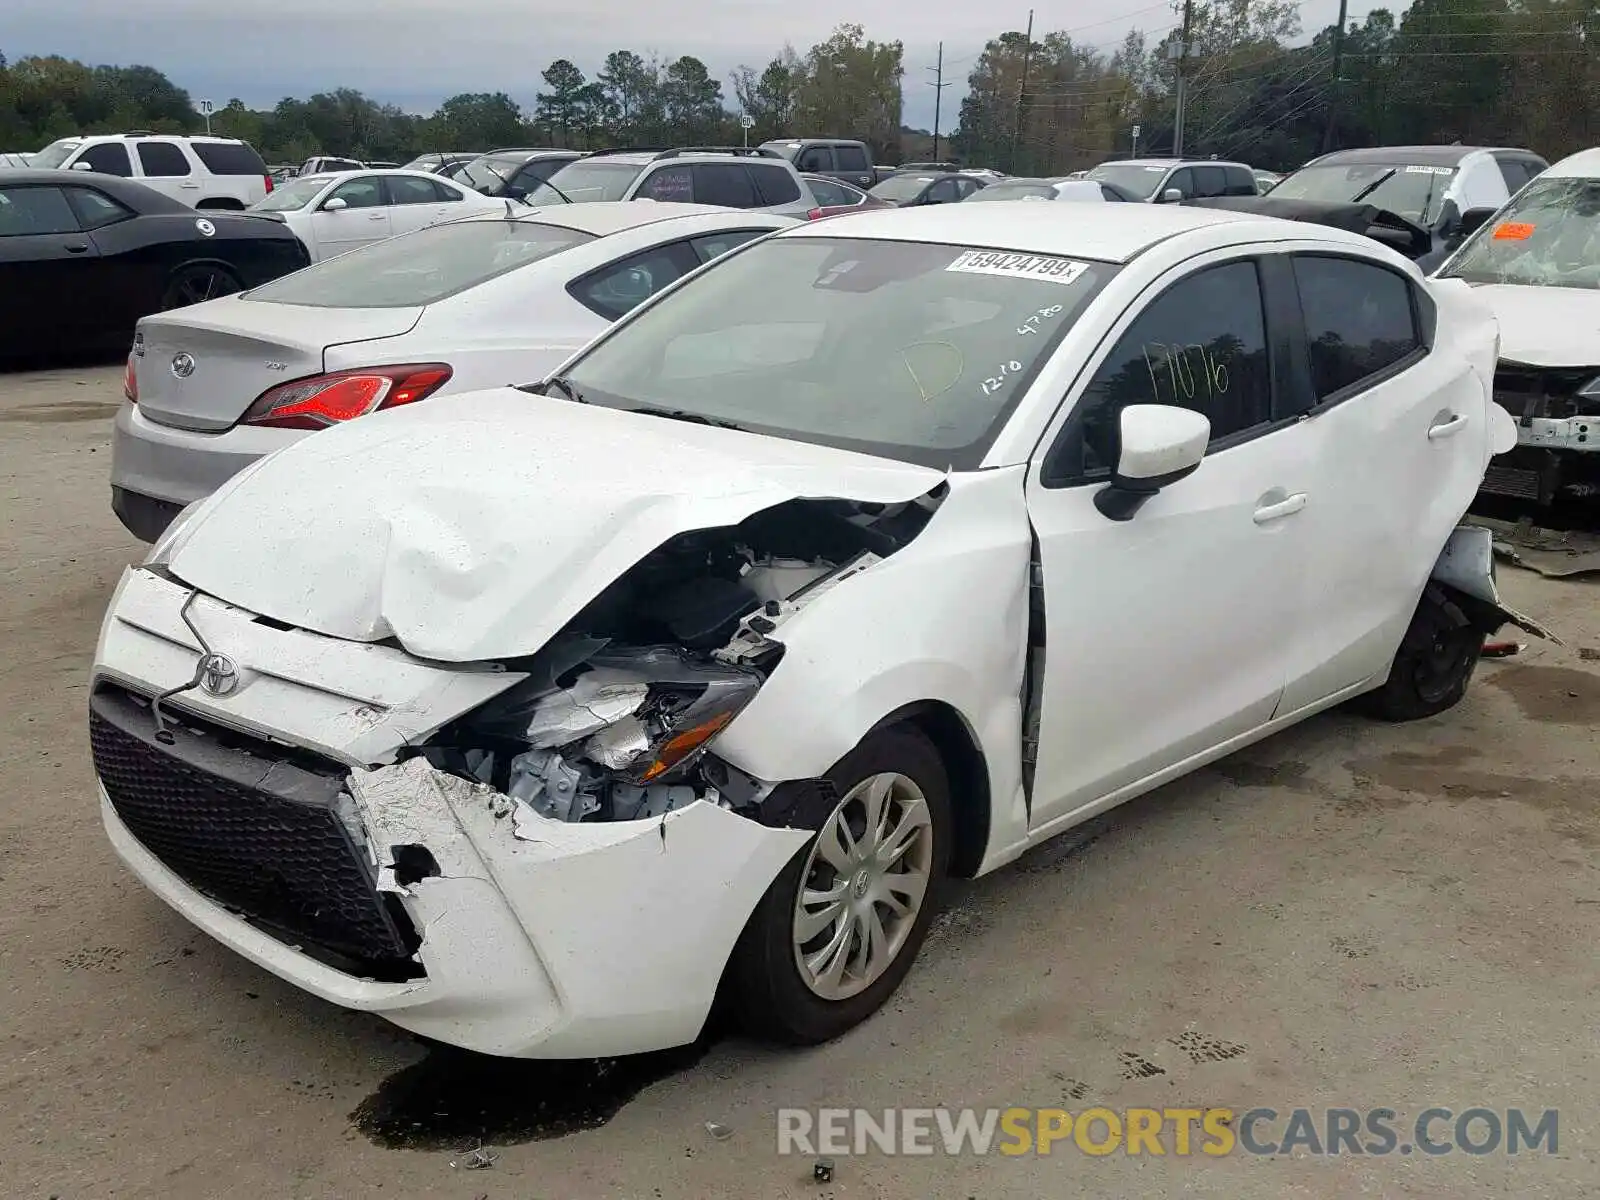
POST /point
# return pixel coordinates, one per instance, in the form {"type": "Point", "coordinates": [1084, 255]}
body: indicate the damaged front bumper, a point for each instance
{"type": "Point", "coordinates": [432, 900]}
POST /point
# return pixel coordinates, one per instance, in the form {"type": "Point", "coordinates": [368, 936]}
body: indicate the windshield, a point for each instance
{"type": "Point", "coordinates": [426, 163]}
{"type": "Point", "coordinates": [1549, 236]}
{"type": "Point", "coordinates": [1415, 193]}
{"type": "Point", "coordinates": [902, 187]}
{"type": "Point", "coordinates": [291, 196]}
{"type": "Point", "coordinates": [1140, 181]}
{"type": "Point", "coordinates": [1013, 191]}
{"type": "Point", "coordinates": [489, 174]}
{"type": "Point", "coordinates": [422, 267]}
{"type": "Point", "coordinates": [907, 350]}
{"type": "Point", "coordinates": [582, 182]}
{"type": "Point", "coordinates": [56, 153]}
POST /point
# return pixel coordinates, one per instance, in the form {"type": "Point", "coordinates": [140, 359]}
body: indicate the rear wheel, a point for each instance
{"type": "Point", "coordinates": [199, 282]}
{"type": "Point", "coordinates": [1433, 666]}
{"type": "Point", "coordinates": [838, 930]}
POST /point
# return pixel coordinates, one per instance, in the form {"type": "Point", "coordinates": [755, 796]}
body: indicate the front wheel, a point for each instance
{"type": "Point", "coordinates": [838, 930]}
{"type": "Point", "coordinates": [1433, 666]}
{"type": "Point", "coordinates": [197, 283]}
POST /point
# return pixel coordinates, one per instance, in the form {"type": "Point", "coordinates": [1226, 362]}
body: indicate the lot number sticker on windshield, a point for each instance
{"type": "Point", "coordinates": [1430, 171]}
{"type": "Point", "coordinates": [1019, 266]}
{"type": "Point", "coordinates": [1513, 231]}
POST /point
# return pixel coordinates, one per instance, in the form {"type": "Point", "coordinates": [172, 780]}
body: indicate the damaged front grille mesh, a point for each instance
{"type": "Point", "coordinates": [260, 834]}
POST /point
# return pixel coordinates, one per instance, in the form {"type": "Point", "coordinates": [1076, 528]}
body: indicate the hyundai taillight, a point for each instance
{"type": "Point", "coordinates": [325, 400]}
{"type": "Point", "coordinates": [130, 383]}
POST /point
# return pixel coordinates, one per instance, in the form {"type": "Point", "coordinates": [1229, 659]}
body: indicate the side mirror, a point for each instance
{"type": "Point", "coordinates": [1172, 196]}
{"type": "Point", "coordinates": [1473, 220]}
{"type": "Point", "coordinates": [1158, 444]}
{"type": "Point", "coordinates": [335, 205]}
{"type": "Point", "coordinates": [82, 166]}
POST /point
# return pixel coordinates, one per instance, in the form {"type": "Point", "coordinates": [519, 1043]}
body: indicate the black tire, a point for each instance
{"type": "Point", "coordinates": [770, 997]}
{"type": "Point", "coordinates": [197, 282]}
{"type": "Point", "coordinates": [1433, 666]}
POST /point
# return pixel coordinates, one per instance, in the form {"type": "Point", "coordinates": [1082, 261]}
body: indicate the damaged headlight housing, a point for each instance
{"type": "Point", "coordinates": [617, 738]}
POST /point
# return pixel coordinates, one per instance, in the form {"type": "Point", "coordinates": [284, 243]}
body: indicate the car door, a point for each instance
{"type": "Point", "coordinates": [362, 219]}
{"type": "Point", "coordinates": [852, 164]}
{"type": "Point", "coordinates": [415, 204]}
{"type": "Point", "coordinates": [966, 186]}
{"type": "Point", "coordinates": [815, 160]}
{"type": "Point", "coordinates": [1181, 180]}
{"type": "Point", "coordinates": [1164, 635]}
{"type": "Point", "coordinates": [1209, 181]}
{"type": "Point", "coordinates": [164, 166]}
{"type": "Point", "coordinates": [941, 191]}
{"type": "Point", "coordinates": [105, 158]}
{"type": "Point", "coordinates": [1396, 464]}
{"type": "Point", "coordinates": [49, 271]}
{"type": "Point", "coordinates": [726, 185]}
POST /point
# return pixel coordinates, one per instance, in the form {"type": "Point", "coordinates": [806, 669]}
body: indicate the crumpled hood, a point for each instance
{"type": "Point", "coordinates": [475, 526]}
{"type": "Point", "coordinates": [1546, 326]}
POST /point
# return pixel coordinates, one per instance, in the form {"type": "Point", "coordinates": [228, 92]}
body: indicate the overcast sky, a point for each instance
{"type": "Point", "coordinates": [414, 53]}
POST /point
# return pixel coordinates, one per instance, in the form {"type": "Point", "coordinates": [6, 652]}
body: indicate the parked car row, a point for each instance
{"type": "Point", "coordinates": [643, 604]}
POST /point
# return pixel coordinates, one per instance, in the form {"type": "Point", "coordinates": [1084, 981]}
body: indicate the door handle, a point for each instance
{"type": "Point", "coordinates": [191, 186]}
{"type": "Point", "coordinates": [1283, 508]}
{"type": "Point", "coordinates": [76, 247]}
{"type": "Point", "coordinates": [377, 217]}
{"type": "Point", "coordinates": [1447, 428]}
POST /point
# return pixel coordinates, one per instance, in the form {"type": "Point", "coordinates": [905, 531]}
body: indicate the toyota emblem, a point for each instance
{"type": "Point", "coordinates": [219, 675]}
{"type": "Point", "coordinates": [183, 365]}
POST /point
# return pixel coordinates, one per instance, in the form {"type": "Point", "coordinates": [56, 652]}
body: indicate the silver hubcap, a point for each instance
{"type": "Point", "coordinates": [863, 886]}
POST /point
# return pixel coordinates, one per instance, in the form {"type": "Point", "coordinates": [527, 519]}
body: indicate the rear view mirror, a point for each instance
{"type": "Point", "coordinates": [1157, 445]}
{"type": "Point", "coordinates": [1172, 195]}
{"type": "Point", "coordinates": [335, 205]}
{"type": "Point", "coordinates": [1473, 220]}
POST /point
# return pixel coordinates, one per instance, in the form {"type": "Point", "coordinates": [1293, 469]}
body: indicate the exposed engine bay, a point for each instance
{"type": "Point", "coordinates": [619, 708]}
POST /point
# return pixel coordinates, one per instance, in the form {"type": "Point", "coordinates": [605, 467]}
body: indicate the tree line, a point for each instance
{"type": "Point", "coordinates": [1504, 72]}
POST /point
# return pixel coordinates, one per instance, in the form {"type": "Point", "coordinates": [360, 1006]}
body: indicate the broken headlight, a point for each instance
{"type": "Point", "coordinates": [618, 732]}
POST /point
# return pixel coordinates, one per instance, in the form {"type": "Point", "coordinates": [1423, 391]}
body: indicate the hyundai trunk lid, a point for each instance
{"type": "Point", "coordinates": [203, 366]}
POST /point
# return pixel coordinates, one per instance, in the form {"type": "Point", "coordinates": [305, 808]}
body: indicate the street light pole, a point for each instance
{"type": "Point", "coordinates": [1183, 80]}
{"type": "Point", "coordinates": [938, 85]}
{"type": "Point", "coordinates": [1022, 91]}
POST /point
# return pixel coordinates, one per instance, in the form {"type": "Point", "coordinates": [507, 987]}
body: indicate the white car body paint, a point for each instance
{"type": "Point", "coordinates": [436, 548]}
{"type": "Point", "coordinates": [1173, 638]}
{"type": "Point", "coordinates": [327, 233]}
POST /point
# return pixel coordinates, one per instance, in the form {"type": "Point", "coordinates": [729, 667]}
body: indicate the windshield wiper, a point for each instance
{"type": "Point", "coordinates": [679, 414]}
{"type": "Point", "coordinates": [1373, 186]}
{"type": "Point", "coordinates": [558, 382]}
{"type": "Point", "coordinates": [565, 199]}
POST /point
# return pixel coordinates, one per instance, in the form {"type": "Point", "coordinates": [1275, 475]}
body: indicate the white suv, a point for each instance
{"type": "Point", "coordinates": [728, 177]}
{"type": "Point", "coordinates": [202, 172]}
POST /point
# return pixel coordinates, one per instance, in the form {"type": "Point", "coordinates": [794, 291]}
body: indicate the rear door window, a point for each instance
{"type": "Point", "coordinates": [405, 190]}
{"type": "Point", "coordinates": [162, 160]}
{"type": "Point", "coordinates": [851, 158]}
{"type": "Point", "coordinates": [1240, 182]}
{"type": "Point", "coordinates": [944, 192]}
{"type": "Point", "coordinates": [724, 184]}
{"type": "Point", "coordinates": [774, 184]}
{"type": "Point", "coordinates": [828, 192]}
{"type": "Point", "coordinates": [1360, 321]}
{"type": "Point", "coordinates": [1209, 181]}
{"type": "Point", "coordinates": [109, 158]}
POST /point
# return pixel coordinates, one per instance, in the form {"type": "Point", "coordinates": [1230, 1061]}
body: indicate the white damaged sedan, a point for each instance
{"type": "Point", "coordinates": [868, 556]}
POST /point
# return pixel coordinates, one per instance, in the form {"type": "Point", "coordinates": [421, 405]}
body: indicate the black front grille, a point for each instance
{"type": "Point", "coordinates": [252, 826]}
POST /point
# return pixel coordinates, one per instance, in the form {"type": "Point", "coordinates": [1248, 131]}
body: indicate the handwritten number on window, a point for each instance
{"type": "Point", "coordinates": [1182, 375]}
{"type": "Point", "coordinates": [1031, 325]}
{"type": "Point", "coordinates": [995, 382]}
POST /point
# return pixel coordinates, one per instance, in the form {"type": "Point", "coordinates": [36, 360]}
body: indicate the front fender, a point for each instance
{"type": "Point", "coordinates": [944, 618]}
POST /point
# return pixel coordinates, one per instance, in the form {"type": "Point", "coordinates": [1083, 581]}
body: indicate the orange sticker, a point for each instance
{"type": "Point", "coordinates": [1513, 231]}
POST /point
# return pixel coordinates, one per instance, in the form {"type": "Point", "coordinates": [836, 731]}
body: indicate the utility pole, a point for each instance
{"type": "Point", "coordinates": [1022, 91]}
{"type": "Point", "coordinates": [938, 85]}
{"type": "Point", "coordinates": [1338, 64]}
{"type": "Point", "coordinates": [1183, 79]}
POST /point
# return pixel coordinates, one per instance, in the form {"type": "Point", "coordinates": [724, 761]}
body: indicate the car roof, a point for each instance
{"type": "Point", "coordinates": [813, 141]}
{"type": "Point", "coordinates": [1116, 233]}
{"type": "Point", "coordinates": [1172, 162]}
{"type": "Point", "coordinates": [1585, 164]}
{"type": "Point", "coordinates": [1399, 156]}
{"type": "Point", "coordinates": [362, 172]}
{"type": "Point", "coordinates": [603, 217]}
{"type": "Point", "coordinates": [147, 200]}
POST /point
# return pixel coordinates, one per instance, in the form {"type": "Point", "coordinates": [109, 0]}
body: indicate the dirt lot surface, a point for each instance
{"type": "Point", "coordinates": [1349, 914]}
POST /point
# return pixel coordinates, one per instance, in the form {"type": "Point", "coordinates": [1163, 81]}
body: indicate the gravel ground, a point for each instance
{"type": "Point", "coordinates": [1349, 914]}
